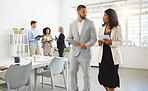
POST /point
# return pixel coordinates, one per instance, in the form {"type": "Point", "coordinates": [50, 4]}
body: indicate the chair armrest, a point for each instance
{"type": "Point", "coordinates": [2, 79]}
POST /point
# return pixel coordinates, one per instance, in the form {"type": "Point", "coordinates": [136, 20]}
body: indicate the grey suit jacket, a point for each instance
{"type": "Point", "coordinates": [88, 37]}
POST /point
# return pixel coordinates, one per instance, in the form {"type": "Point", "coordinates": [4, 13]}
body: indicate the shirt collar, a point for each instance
{"type": "Point", "coordinates": [32, 29]}
{"type": "Point", "coordinates": [82, 21]}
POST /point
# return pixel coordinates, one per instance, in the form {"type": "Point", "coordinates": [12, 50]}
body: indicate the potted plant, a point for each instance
{"type": "Point", "coordinates": [21, 31]}
{"type": "Point", "coordinates": [66, 51]}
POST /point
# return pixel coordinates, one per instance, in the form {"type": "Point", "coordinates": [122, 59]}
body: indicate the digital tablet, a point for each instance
{"type": "Point", "coordinates": [101, 37]}
{"type": "Point", "coordinates": [71, 41]}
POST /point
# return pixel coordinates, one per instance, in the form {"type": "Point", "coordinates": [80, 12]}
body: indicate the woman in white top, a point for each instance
{"type": "Point", "coordinates": [109, 53]}
{"type": "Point", "coordinates": [46, 42]}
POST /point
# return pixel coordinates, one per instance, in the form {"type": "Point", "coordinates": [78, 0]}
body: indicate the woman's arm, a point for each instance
{"type": "Point", "coordinates": [43, 40]}
{"type": "Point", "coordinates": [51, 38]}
{"type": "Point", "coordinates": [119, 40]}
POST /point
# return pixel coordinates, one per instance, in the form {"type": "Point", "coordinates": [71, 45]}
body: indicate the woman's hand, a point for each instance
{"type": "Point", "coordinates": [108, 42]}
{"type": "Point", "coordinates": [55, 36]}
{"type": "Point", "coordinates": [100, 42]}
{"type": "Point", "coordinates": [69, 38]}
{"type": "Point", "coordinates": [56, 40]}
{"type": "Point", "coordinates": [38, 38]}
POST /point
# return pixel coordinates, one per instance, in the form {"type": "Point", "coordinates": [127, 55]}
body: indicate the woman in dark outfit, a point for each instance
{"type": "Point", "coordinates": [60, 42]}
{"type": "Point", "coordinates": [109, 53]}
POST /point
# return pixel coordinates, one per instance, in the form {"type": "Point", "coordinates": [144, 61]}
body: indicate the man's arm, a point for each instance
{"type": "Point", "coordinates": [93, 36]}
{"type": "Point", "coordinates": [70, 35]}
{"type": "Point", "coordinates": [30, 36]}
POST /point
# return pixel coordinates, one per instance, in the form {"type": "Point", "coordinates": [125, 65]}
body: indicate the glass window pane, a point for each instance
{"type": "Point", "coordinates": [144, 5]}
{"type": "Point", "coordinates": [144, 30]}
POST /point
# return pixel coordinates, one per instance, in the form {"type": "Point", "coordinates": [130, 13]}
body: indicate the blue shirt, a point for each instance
{"type": "Point", "coordinates": [31, 37]}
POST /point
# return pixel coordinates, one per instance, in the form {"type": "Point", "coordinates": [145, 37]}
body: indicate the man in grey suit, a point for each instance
{"type": "Point", "coordinates": [83, 31]}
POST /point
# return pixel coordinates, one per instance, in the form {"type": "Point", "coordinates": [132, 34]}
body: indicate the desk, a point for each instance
{"type": "Point", "coordinates": [40, 62]}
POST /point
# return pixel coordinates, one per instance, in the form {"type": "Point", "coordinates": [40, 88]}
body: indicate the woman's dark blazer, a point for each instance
{"type": "Point", "coordinates": [61, 42]}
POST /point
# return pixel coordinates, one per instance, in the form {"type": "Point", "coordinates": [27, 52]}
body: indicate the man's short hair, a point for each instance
{"type": "Point", "coordinates": [80, 6]}
{"type": "Point", "coordinates": [33, 22]}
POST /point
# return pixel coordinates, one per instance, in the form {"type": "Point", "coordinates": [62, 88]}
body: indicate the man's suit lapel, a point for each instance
{"type": "Point", "coordinates": [83, 28]}
{"type": "Point", "coordinates": [77, 30]}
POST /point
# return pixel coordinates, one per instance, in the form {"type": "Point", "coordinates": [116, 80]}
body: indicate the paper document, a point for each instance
{"type": "Point", "coordinates": [101, 37]}
{"type": "Point", "coordinates": [73, 42]}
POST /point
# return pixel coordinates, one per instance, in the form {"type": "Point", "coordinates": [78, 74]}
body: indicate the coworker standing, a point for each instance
{"type": "Point", "coordinates": [47, 41]}
{"type": "Point", "coordinates": [109, 53]}
{"type": "Point", "coordinates": [83, 31]}
{"type": "Point", "coordinates": [61, 41]}
{"type": "Point", "coordinates": [33, 41]}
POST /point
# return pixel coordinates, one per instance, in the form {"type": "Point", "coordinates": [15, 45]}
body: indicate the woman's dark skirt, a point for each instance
{"type": "Point", "coordinates": [108, 72]}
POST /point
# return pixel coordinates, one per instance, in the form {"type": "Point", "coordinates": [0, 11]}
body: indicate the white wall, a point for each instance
{"type": "Point", "coordinates": [19, 13]}
{"type": "Point", "coordinates": [66, 15]}
{"type": "Point", "coordinates": [135, 57]}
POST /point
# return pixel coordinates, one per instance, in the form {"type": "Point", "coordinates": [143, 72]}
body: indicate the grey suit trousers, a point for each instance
{"type": "Point", "coordinates": [84, 63]}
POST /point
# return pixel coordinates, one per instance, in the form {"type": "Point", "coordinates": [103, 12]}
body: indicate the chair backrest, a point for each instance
{"type": "Point", "coordinates": [57, 65]}
{"type": "Point", "coordinates": [17, 75]}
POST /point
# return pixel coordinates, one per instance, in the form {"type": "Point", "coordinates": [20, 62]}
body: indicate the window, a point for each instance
{"type": "Point", "coordinates": [133, 18]}
{"type": "Point", "coordinates": [144, 30]}
{"type": "Point", "coordinates": [134, 30]}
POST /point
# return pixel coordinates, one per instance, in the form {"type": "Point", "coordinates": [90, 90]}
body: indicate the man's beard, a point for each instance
{"type": "Point", "coordinates": [82, 17]}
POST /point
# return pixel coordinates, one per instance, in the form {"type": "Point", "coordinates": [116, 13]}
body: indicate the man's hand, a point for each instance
{"type": "Point", "coordinates": [82, 46]}
{"type": "Point", "coordinates": [69, 38]}
{"type": "Point", "coordinates": [100, 42]}
{"type": "Point", "coordinates": [108, 42]}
